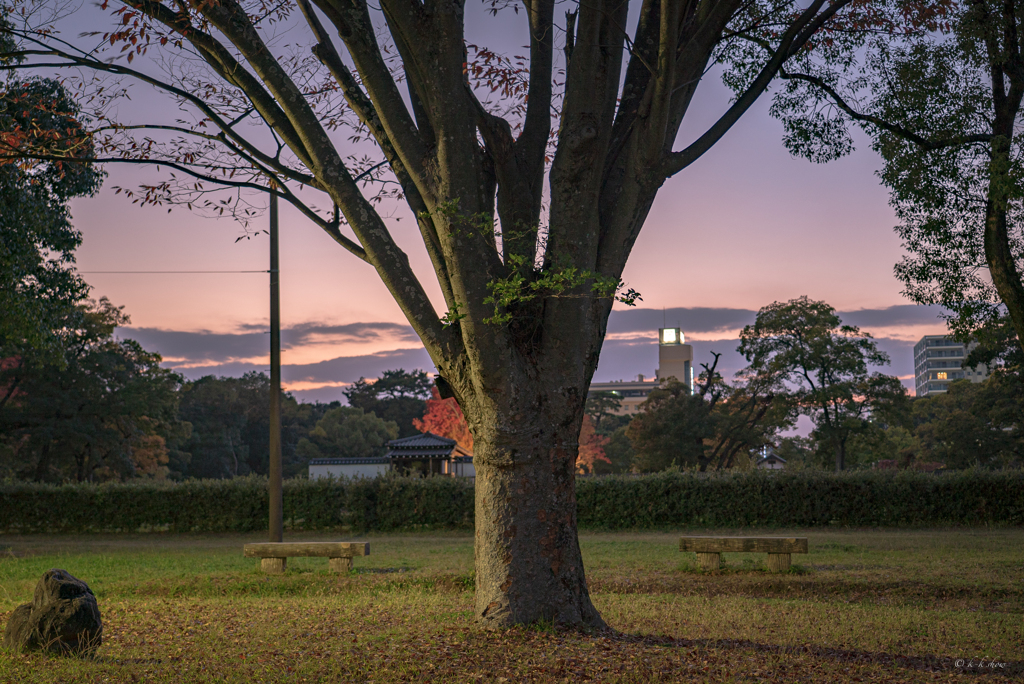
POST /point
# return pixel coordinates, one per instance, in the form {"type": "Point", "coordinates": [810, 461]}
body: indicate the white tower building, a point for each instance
{"type": "Point", "coordinates": [675, 357]}
{"type": "Point", "coordinates": [675, 360]}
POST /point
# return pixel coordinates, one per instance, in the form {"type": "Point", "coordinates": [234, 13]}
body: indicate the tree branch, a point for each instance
{"type": "Point", "coordinates": [118, 70]}
{"type": "Point", "coordinates": [326, 52]}
{"type": "Point", "coordinates": [353, 23]}
{"type": "Point", "coordinates": [532, 143]}
{"type": "Point", "coordinates": [792, 40]}
{"type": "Point", "coordinates": [228, 68]}
{"type": "Point", "coordinates": [895, 129]}
{"type": "Point", "coordinates": [283, 192]}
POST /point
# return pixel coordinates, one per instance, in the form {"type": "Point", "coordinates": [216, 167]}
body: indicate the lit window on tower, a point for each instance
{"type": "Point", "coordinates": [940, 376]}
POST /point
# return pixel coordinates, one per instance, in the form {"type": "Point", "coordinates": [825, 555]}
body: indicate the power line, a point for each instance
{"type": "Point", "coordinates": [151, 272]}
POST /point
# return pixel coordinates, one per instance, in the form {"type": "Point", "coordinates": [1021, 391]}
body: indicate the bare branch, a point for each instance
{"type": "Point", "coordinates": [353, 21]}
{"type": "Point", "coordinates": [791, 40]}
{"type": "Point", "coordinates": [895, 129]}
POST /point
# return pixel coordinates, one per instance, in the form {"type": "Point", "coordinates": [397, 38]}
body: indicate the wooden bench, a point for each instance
{"type": "Point", "coordinates": [275, 555]}
{"type": "Point", "coordinates": [710, 549]}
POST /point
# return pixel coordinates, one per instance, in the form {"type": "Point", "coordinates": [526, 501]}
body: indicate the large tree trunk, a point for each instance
{"type": "Point", "coordinates": [528, 562]}
{"type": "Point", "coordinates": [1002, 264]}
{"type": "Point", "coordinates": [998, 250]}
{"type": "Point", "coordinates": [525, 405]}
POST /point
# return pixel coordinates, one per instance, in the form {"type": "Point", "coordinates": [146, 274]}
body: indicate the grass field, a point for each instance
{"type": "Point", "coordinates": [878, 605]}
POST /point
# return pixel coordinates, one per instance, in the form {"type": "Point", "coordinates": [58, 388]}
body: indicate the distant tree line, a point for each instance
{"type": "Point", "coordinates": [103, 409]}
{"type": "Point", "coordinates": [804, 361]}
{"type": "Point", "coordinates": [99, 408]}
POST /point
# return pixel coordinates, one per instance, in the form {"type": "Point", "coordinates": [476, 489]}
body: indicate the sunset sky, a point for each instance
{"type": "Point", "coordinates": [744, 226]}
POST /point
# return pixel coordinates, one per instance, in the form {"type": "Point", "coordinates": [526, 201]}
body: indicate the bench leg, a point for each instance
{"type": "Point", "coordinates": [709, 561]}
{"type": "Point", "coordinates": [778, 562]}
{"type": "Point", "coordinates": [340, 564]}
{"type": "Point", "coordinates": [273, 565]}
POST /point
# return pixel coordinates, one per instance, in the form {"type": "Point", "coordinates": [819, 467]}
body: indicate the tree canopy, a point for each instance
{"type": "Point", "coordinates": [230, 428]}
{"type": "Point", "coordinates": [972, 424]}
{"type": "Point", "coordinates": [715, 426]}
{"type": "Point", "coordinates": [39, 288]}
{"type": "Point", "coordinates": [601, 405]}
{"type": "Point", "coordinates": [104, 411]}
{"type": "Point", "coordinates": [396, 396]}
{"type": "Point", "coordinates": [826, 364]}
{"type": "Point", "coordinates": [942, 105]}
{"type": "Point", "coordinates": [347, 432]}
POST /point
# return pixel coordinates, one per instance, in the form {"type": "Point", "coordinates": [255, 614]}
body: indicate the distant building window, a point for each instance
{"type": "Point", "coordinates": [672, 336]}
{"type": "Point", "coordinates": [940, 376]}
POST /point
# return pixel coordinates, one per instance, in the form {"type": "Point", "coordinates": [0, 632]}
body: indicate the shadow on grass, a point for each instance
{"type": "Point", "coordinates": [924, 663]}
{"type": "Point", "coordinates": [798, 585]}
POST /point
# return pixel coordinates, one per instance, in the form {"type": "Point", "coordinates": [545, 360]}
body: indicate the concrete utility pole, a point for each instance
{"type": "Point", "coordinates": [275, 476]}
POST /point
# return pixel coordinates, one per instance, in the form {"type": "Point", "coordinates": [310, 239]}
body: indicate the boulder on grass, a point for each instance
{"type": "Point", "coordinates": [62, 618]}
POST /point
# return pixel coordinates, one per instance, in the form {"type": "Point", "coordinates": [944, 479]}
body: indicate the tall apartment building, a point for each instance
{"type": "Point", "coordinates": [675, 360]}
{"type": "Point", "coordinates": [938, 361]}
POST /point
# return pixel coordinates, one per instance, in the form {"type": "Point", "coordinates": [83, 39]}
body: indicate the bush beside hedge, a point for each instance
{"type": "Point", "coordinates": [665, 500]}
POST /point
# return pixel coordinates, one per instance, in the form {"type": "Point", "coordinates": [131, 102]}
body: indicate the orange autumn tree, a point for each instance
{"type": "Point", "coordinates": [444, 418]}
{"type": "Point", "coordinates": [591, 448]}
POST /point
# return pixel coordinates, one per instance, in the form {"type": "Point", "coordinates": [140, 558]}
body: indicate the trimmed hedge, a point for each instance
{"type": "Point", "coordinates": [802, 499]}
{"type": "Point", "coordinates": [238, 505]}
{"type": "Point", "coordinates": [665, 500]}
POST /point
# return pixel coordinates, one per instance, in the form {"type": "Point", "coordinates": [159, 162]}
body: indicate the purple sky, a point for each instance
{"type": "Point", "coordinates": [744, 226]}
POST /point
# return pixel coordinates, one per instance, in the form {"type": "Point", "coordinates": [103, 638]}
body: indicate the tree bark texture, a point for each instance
{"type": "Point", "coordinates": [521, 381]}
{"type": "Point", "coordinates": [528, 562]}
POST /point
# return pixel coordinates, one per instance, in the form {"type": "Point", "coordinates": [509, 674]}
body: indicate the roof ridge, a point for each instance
{"type": "Point", "coordinates": [424, 436]}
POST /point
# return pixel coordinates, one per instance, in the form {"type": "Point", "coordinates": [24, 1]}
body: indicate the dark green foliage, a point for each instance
{"type": "Point", "coordinates": [393, 503]}
{"type": "Point", "coordinates": [997, 346]}
{"type": "Point", "coordinates": [942, 106]}
{"type": "Point", "coordinates": [237, 505]}
{"type": "Point", "coordinates": [805, 344]}
{"type": "Point", "coordinates": [347, 432]}
{"type": "Point", "coordinates": [610, 424]}
{"type": "Point", "coordinates": [972, 424]}
{"type": "Point", "coordinates": [799, 453]}
{"type": "Point", "coordinates": [670, 429]}
{"type": "Point", "coordinates": [602, 407]}
{"type": "Point", "coordinates": [104, 412]}
{"type": "Point", "coordinates": [230, 419]}
{"type": "Point", "coordinates": [397, 396]}
{"type": "Point", "coordinates": [619, 450]}
{"type": "Point", "coordinates": [39, 288]}
{"type": "Point", "coordinates": [806, 499]}
{"type": "Point", "coordinates": [716, 427]}
{"type": "Point", "coordinates": [879, 443]}
{"type": "Point", "coordinates": [659, 501]}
